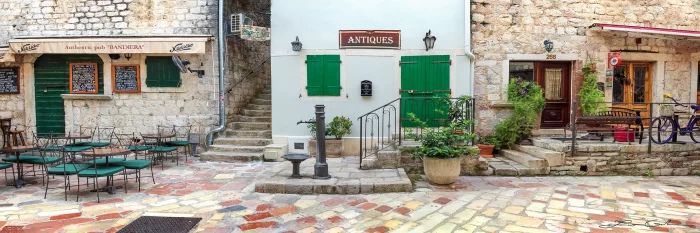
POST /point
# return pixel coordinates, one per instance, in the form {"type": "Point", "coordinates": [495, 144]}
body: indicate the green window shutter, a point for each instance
{"type": "Point", "coordinates": [314, 75]}
{"type": "Point", "coordinates": [162, 72]}
{"type": "Point", "coordinates": [331, 75]}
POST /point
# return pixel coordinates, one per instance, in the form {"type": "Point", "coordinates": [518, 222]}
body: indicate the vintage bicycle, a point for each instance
{"type": "Point", "coordinates": [668, 127]}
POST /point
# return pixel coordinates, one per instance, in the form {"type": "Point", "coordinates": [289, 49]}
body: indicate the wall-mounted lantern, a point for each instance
{"type": "Point", "coordinates": [114, 56]}
{"type": "Point", "coordinates": [429, 41]}
{"type": "Point", "coordinates": [296, 45]}
{"type": "Point", "coordinates": [128, 56]}
{"type": "Point", "coordinates": [548, 45]}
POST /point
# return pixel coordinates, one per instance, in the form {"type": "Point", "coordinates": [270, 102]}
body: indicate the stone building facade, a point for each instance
{"type": "Point", "coordinates": [507, 33]}
{"type": "Point", "coordinates": [194, 102]}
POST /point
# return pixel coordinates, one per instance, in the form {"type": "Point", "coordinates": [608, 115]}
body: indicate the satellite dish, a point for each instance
{"type": "Point", "coordinates": [181, 64]}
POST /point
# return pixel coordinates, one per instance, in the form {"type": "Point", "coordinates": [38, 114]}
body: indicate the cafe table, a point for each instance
{"type": "Point", "coordinates": [159, 137]}
{"type": "Point", "coordinates": [16, 151]}
{"type": "Point", "coordinates": [106, 153]}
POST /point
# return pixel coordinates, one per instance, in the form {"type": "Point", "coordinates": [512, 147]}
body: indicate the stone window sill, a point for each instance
{"type": "Point", "coordinates": [502, 104]}
{"type": "Point", "coordinates": [85, 97]}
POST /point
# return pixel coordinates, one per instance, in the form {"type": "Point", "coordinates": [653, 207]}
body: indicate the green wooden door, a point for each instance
{"type": "Point", "coordinates": [423, 78]}
{"type": "Point", "coordinates": [51, 77]}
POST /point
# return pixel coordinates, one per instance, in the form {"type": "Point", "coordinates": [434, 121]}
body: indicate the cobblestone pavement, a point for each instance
{"type": "Point", "coordinates": [222, 194]}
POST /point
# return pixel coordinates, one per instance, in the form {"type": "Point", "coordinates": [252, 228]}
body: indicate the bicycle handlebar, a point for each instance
{"type": "Point", "coordinates": [676, 102]}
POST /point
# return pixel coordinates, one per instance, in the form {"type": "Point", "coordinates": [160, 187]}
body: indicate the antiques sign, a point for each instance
{"type": "Point", "coordinates": [367, 39]}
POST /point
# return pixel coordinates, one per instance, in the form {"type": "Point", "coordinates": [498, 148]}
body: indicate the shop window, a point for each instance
{"type": "Point", "coordinates": [522, 70]}
{"type": "Point", "coordinates": [323, 75]}
{"type": "Point", "coordinates": [162, 72]}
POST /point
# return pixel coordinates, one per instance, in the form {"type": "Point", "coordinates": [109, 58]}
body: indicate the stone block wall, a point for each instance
{"type": "Point", "coordinates": [665, 160]}
{"type": "Point", "coordinates": [519, 27]}
{"type": "Point", "coordinates": [12, 105]}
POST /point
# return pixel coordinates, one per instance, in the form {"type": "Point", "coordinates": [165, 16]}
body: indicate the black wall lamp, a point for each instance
{"type": "Point", "coordinates": [296, 45]}
{"type": "Point", "coordinates": [429, 41]}
{"type": "Point", "coordinates": [548, 45]}
{"type": "Point", "coordinates": [114, 56]}
{"type": "Point", "coordinates": [128, 56]}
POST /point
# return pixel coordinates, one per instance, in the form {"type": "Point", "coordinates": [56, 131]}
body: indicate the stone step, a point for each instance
{"type": "Point", "coordinates": [259, 107]}
{"type": "Point", "coordinates": [237, 149]}
{"type": "Point", "coordinates": [227, 157]}
{"type": "Point", "coordinates": [552, 144]}
{"type": "Point", "coordinates": [525, 159]}
{"type": "Point", "coordinates": [264, 96]}
{"type": "Point", "coordinates": [249, 133]}
{"type": "Point", "coordinates": [251, 125]}
{"type": "Point", "coordinates": [241, 118]}
{"type": "Point", "coordinates": [243, 141]}
{"type": "Point", "coordinates": [505, 167]}
{"type": "Point", "coordinates": [248, 112]}
{"type": "Point", "coordinates": [554, 158]}
{"type": "Point", "coordinates": [261, 101]}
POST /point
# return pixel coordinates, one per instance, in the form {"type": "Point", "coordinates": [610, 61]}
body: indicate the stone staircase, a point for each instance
{"type": "Point", "coordinates": [526, 160]}
{"type": "Point", "coordinates": [245, 138]}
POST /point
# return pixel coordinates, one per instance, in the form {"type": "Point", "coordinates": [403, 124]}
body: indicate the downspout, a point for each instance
{"type": "Point", "coordinates": [468, 43]}
{"type": "Point", "coordinates": [222, 63]}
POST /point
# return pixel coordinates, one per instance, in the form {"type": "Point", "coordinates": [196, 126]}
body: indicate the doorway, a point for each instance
{"type": "Point", "coordinates": [423, 80]}
{"type": "Point", "coordinates": [632, 82]}
{"type": "Point", "coordinates": [554, 78]}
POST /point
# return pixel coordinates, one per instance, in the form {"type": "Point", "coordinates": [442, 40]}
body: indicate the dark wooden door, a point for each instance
{"type": "Point", "coordinates": [554, 78]}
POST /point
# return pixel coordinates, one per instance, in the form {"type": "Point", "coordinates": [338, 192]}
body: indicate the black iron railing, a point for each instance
{"type": "Point", "coordinates": [390, 124]}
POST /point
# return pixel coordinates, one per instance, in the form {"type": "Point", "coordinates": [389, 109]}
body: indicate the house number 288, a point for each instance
{"type": "Point", "coordinates": [551, 56]}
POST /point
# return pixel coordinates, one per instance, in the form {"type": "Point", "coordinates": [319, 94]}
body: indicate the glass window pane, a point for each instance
{"type": "Point", "coordinates": [640, 74]}
{"type": "Point", "coordinates": [619, 84]}
{"type": "Point", "coordinates": [523, 70]}
{"type": "Point", "coordinates": [552, 80]}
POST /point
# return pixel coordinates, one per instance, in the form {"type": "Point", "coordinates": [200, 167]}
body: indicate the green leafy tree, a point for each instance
{"type": "Point", "coordinates": [591, 97]}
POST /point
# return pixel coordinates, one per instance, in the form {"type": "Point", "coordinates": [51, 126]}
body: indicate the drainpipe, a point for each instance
{"type": "Point", "coordinates": [222, 63]}
{"type": "Point", "coordinates": [468, 43]}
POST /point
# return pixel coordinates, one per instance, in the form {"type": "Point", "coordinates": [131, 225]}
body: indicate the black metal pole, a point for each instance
{"type": "Point", "coordinates": [321, 167]}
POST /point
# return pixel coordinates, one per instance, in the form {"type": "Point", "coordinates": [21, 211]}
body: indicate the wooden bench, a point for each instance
{"type": "Point", "coordinates": [606, 120]}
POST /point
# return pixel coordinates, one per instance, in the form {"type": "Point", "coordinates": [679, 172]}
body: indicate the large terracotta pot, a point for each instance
{"type": "Point", "coordinates": [486, 151]}
{"type": "Point", "coordinates": [441, 171]}
{"type": "Point", "coordinates": [334, 148]}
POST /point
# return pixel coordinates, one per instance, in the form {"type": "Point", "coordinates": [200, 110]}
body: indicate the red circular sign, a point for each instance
{"type": "Point", "coordinates": [615, 61]}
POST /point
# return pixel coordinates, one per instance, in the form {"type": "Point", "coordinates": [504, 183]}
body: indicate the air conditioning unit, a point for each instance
{"type": "Point", "coordinates": [236, 22]}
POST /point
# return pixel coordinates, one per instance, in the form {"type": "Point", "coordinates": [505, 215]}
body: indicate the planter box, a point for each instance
{"type": "Point", "coordinates": [441, 171]}
{"type": "Point", "coordinates": [334, 148]}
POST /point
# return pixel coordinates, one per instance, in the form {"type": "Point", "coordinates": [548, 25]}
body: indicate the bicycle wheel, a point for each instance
{"type": "Point", "coordinates": [661, 130]}
{"type": "Point", "coordinates": [695, 131]}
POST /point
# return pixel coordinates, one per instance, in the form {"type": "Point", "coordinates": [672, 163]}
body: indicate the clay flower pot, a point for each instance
{"type": "Point", "coordinates": [486, 151]}
{"type": "Point", "coordinates": [441, 171]}
{"type": "Point", "coordinates": [334, 148]}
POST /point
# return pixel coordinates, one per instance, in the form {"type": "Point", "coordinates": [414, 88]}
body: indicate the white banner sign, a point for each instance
{"type": "Point", "coordinates": [110, 45]}
{"type": "Point", "coordinates": [255, 33]}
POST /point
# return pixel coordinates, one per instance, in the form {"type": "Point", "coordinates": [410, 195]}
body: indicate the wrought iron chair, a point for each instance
{"type": "Point", "coordinates": [182, 135]}
{"type": "Point", "coordinates": [136, 164]}
{"type": "Point", "coordinates": [158, 150]}
{"type": "Point", "coordinates": [102, 137]}
{"type": "Point", "coordinates": [66, 169]}
{"type": "Point", "coordinates": [108, 171]}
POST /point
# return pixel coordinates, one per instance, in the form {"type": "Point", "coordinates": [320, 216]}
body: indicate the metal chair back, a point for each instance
{"type": "Point", "coordinates": [103, 134]}
{"type": "Point", "coordinates": [182, 133]}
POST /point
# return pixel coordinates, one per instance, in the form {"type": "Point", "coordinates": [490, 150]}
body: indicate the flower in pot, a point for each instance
{"type": "Point", "coordinates": [339, 127]}
{"type": "Point", "coordinates": [441, 150]}
{"type": "Point", "coordinates": [486, 145]}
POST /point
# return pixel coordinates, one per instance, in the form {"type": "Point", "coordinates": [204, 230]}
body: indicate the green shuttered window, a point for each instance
{"type": "Point", "coordinates": [323, 75]}
{"type": "Point", "coordinates": [162, 72]}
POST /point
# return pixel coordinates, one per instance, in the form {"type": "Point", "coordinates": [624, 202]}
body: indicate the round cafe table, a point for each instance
{"type": "Point", "coordinates": [16, 151]}
{"type": "Point", "coordinates": [106, 153]}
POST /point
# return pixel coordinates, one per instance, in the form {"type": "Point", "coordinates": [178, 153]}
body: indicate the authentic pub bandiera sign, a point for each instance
{"type": "Point", "coordinates": [368, 39]}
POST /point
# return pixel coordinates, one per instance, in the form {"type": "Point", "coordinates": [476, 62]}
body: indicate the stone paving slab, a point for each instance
{"type": "Point", "coordinates": [227, 203]}
{"type": "Point", "coordinates": [346, 178]}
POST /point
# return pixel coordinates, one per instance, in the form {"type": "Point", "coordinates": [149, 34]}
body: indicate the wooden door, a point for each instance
{"type": "Point", "coordinates": [632, 82]}
{"type": "Point", "coordinates": [423, 78]}
{"type": "Point", "coordinates": [554, 78]}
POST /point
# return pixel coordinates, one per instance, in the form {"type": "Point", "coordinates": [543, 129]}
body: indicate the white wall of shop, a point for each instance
{"type": "Point", "coordinates": [317, 22]}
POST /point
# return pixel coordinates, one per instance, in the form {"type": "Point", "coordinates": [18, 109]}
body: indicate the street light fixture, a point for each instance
{"type": "Point", "coordinates": [296, 45]}
{"type": "Point", "coordinates": [429, 41]}
{"type": "Point", "coordinates": [548, 45]}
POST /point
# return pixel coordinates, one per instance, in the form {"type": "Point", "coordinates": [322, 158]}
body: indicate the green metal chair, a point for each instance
{"type": "Point", "coordinates": [102, 137]}
{"type": "Point", "coordinates": [158, 151]}
{"type": "Point", "coordinates": [136, 164]}
{"type": "Point", "coordinates": [182, 135]}
{"type": "Point", "coordinates": [4, 167]}
{"type": "Point", "coordinates": [66, 169]}
{"type": "Point", "coordinates": [82, 130]}
{"type": "Point", "coordinates": [108, 171]}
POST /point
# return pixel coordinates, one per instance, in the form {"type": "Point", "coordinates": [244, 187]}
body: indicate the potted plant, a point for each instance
{"type": "Point", "coordinates": [441, 149]}
{"type": "Point", "coordinates": [486, 146]}
{"type": "Point", "coordinates": [592, 98]}
{"type": "Point", "coordinates": [339, 127]}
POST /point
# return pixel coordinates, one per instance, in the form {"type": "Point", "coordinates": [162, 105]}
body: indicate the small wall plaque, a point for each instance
{"type": "Point", "coordinates": [366, 88]}
{"type": "Point", "coordinates": [601, 87]}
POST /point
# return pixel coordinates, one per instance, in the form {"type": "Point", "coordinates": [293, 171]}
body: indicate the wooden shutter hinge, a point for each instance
{"type": "Point", "coordinates": [438, 62]}
{"type": "Point", "coordinates": [407, 62]}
